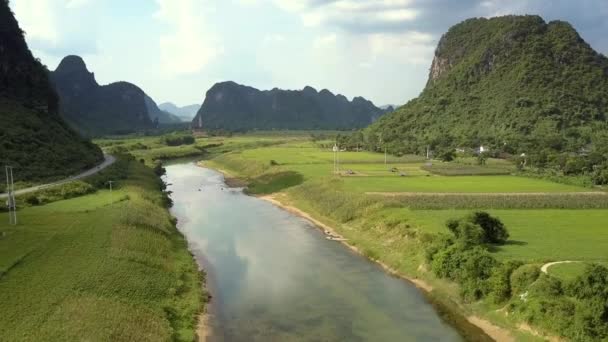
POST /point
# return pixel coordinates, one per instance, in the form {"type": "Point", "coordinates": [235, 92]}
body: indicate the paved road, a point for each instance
{"type": "Point", "coordinates": [108, 160]}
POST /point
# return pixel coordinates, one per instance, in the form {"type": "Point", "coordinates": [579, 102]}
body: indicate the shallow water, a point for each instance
{"type": "Point", "coordinates": [275, 277]}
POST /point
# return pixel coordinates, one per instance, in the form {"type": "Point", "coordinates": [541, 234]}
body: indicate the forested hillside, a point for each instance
{"type": "Point", "coordinates": [514, 84]}
{"type": "Point", "coordinates": [34, 139]}
{"type": "Point", "coordinates": [232, 106]}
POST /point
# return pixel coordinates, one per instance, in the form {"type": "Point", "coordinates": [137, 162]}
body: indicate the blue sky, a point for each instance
{"type": "Point", "coordinates": [177, 49]}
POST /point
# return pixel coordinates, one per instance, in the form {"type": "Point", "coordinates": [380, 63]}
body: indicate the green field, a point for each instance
{"type": "Point", "coordinates": [456, 184]}
{"type": "Point", "coordinates": [538, 235]}
{"type": "Point", "coordinates": [101, 267]}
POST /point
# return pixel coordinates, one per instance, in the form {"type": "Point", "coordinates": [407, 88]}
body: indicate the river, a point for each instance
{"type": "Point", "coordinates": [274, 277]}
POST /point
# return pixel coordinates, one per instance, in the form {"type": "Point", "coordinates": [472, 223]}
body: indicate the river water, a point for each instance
{"type": "Point", "coordinates": [274, 277]}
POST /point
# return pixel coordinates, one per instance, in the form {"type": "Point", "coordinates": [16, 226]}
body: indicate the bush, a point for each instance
{"type": "Point", "coordinates": [546, 286]}
{"type": "Point", "coordinates": [32, 200]}
{"type": "Point", "coordinates": [466, 232]}
{"type": "Point", "coordinates": [178, 140]}
{"type": "Point", "coordinates": [593, 283]}
{"type": "Point", "coordinates": [494, 230]}
{"type": "Point", "coordinates": [523, 277]}
{"type": "Point", "coordinates": [500, 281]}
{"type": "Point", "coordinates": [478, 228]}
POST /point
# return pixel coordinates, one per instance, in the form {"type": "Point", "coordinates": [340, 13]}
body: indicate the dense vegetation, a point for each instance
{"type": "Point", "coordinates": [105, 266]}
{"type": "Point", "coordinates": [577, 309]}
{"type": "Point", "coordinates": [235, 107]}
{"type": "Point", "coordinates": [515, 85]}
{"type": "Point", "coordinates": [34, 139]}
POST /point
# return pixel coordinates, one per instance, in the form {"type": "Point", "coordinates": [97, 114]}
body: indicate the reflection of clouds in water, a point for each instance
{"type": "Point", "coordinates": [277, 278]}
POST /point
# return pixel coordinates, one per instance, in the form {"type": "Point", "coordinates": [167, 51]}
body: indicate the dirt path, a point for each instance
{"type": "Point", "coordinates": [405, 194]}
{"type": "Point", "coordinates": [545, 268]}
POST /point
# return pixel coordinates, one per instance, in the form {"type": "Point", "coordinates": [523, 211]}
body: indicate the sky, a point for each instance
{"type": "Point", "coordinates": [175, 50]}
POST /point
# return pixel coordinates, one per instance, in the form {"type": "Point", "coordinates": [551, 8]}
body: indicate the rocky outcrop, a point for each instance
{"type": "Point", "coordinates": [34, 138]}
{"type": "Point", "coordinates": [116, 108]}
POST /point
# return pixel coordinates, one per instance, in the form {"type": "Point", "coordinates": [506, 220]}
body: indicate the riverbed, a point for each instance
{"type": "Point", "coordinates": [274, 277]}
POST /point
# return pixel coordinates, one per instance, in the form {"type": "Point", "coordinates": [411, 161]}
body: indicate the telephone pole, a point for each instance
{"type": "Point", "coordinates": [111, 199]}
{"type": "Point", "coordinates": [10, 190]}
{"type": "Point", "coordinates": [385, 155]}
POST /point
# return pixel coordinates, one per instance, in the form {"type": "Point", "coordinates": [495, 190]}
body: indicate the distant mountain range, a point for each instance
{"type": "Point", "coordinates": [34, 138]}
{"type": "Point", "coordinates": [119, 107]}
{"type": "Point", "coordinates": [185, 113]}
{"type": "Point", "coordinates": [232, 106]}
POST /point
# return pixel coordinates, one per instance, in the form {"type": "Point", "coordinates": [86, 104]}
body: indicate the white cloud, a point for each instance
{"type": "Point", "coordinates": [351, 12]}
{"type": "Point", "coordinates": [58, 27]}
{"type": "Point", "coordinates": [328, 40]}
{"type": "Point", "coordinates": [38, 18]}
{"type": "Point", "coordinates": [191, 45]}
{"type": "Point", "coordinates": [274, 38]}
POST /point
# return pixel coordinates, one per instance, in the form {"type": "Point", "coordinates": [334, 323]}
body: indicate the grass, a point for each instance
{"type": "Point", "coordinates": [569, 271]}
{"type": "Point", "coordinates": [548, 221]}
{"type": "Point", "coordinates": [455, 184]}
{"type": "Point", "coordinates": [98, 267]}
{"type": "Point", "coordinates": [537, 235]}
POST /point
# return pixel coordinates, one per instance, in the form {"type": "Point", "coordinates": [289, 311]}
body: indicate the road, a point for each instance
{"type": "Point", "coordinates": [108, 160]}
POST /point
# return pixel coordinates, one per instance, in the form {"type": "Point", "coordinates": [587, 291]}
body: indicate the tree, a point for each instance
{"type": "Point", "coordinates": [446, 154]}
{"type": "Point", "coordinates": [494, 230]}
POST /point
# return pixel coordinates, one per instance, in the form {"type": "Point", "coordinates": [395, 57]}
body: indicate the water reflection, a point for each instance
{"type": "Point", "coordinates": [276, 278]}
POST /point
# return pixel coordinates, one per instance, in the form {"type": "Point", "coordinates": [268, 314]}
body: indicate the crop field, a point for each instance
{"type": "Point", "coordinates": [456, 169]}
{"type": "Point", "coordinates": [105, 266]}
{"type": "Point", "coordinates": [541, 215]}
{"type": "Point", "coordinates": [456, 184]}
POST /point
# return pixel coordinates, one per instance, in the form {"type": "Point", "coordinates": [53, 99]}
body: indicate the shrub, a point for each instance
{"type": "Point", "coordinates": [273, 162]}
{"type": "Point", "coordinates": [478, 228]}
{"type": "Point", "coordinates": [523, 277]}
{"type": "Point", "coordinates": [178, 140]}
{"type": "Point", "coordinates": [593, 283]}
{"type": "Point", "coordinates": [546, 286]}
{"type": "Point", "coordinates": [494, 230]}
{"type": "Point", "coordinates": [32, 200]}
{"type": "Point", "coordinates": [466, 232]}
{"type": "Point", "coordinates": [500, 281]}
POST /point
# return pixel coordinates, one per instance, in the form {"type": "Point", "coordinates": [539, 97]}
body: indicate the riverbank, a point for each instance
{"type": "Point", "coordinates": [495, 332]}
{"type": "Point", "coordinates": [282, 201]}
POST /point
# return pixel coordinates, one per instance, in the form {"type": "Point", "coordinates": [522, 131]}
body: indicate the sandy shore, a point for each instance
{"type": "Point", "coordinates": [495, 332]}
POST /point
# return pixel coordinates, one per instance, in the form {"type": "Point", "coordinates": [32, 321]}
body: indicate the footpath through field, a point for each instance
{"type": "Point", "coordinates": [108, 160]}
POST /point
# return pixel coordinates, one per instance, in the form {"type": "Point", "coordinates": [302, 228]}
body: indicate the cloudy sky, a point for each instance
{"type": "Point", "coordinates": [176, 49]}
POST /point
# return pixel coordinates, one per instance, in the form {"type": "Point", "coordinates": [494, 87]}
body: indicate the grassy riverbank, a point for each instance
{"type": "Point", "coordinates": [101, 266]}
{"type": "Point", "coordinates": [544, 222]}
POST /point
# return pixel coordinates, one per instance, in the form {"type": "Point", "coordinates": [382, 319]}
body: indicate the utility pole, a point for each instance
{"type": "Point", "coordinates": [338, 153]}
{"type": "Point", "coordinates": [385, 155]}
{"type": "Point", "coordinates": [10, 190]}
{"type": "Point", "coordinates": [111, 197]}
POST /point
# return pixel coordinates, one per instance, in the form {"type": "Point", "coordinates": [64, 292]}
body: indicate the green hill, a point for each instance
{"type": "Point", "coordinates": [515, 84]}
{"type": "Point", "coordinates": [34, 139]}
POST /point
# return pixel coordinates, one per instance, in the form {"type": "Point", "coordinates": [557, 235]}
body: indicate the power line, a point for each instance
{"type": "Point", "coordinates": [10, 189]}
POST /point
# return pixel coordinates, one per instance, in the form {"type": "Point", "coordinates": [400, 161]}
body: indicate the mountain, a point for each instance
{"type": "Point", "coordinates": [186, 113]}
{"type": "Point", "coordinates": [157, 114]}
{"type": "Point", "coordinates": [119, 107]}
{"type": "Point", "coordinates": [232, 106]}
{"type": "Point", "coordinates": [34, 138]}
{"type": "Point", "coordinates": [515, 83]}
